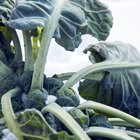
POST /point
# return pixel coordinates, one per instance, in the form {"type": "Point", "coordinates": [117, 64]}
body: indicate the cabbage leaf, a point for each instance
{"type": "Point", "coordinates": [76, 18]}
{"type": "Point", "coordinates": [118, 88]}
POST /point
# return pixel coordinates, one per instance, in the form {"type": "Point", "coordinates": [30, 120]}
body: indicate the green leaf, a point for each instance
{"type": "Point", "coordinates": [67, 97]}
{"type": "Point", "coordinates": [33, 125]}
{"type": "Point", "coordinates": [75, 19]}
{"type": "Point", "coordinates": [6, 52]}
{"type": "Point", "coordinates": [5, 8]}
{"type": "Point", "coordinates": [35, 99]}
{"type": "Point", "coordinates": [8, 79]}
{"type": "Point", "coordinates": [100, 121]}
{"type": "Point", "coordinates": [52, 85]}
{"type": "Point", "coordinates": [70, 123]}
{"type": "Point", "coordinates": [80, 117]}
{"type": "Point", "coordinates": [118, 88]}
{"type": "Point", "coordinates": [88, 89]}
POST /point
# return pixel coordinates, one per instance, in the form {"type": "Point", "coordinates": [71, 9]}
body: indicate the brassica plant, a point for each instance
{"type": "Point", "coordinates": [37, 107]}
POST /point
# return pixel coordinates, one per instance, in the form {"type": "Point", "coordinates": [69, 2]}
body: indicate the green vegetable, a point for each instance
{"type": "Point", "coordinates": [80, 117]}
{"type": "Point", "coordinates": [52, 85]}
{"type": "Point", "coordinates": [118, 88]}
{"type": "Point", "coordinates": [24, 88]}
{"type": "Point", "coordinates": [67, 98]}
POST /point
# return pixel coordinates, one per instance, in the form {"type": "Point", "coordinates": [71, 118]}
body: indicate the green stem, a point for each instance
{"type": "Point", "coordinates": [66, 76]}
{"type": "Point", "coordinates": [8, 112]}
{"type": "Point", "coordinates": [67, 120]}
{"type": "Point", "coordinates": [18, 51]}
{"type": "Point", "coordinates": [120, 122]}
{"type": "Point", "coordinates": [133, 134]}
{"type": "Point", "coordinates": [37, 81]}
{"type": "Point", "coordinates": [110, 111]}
{"type": "Point", "coordinates": [108, 133]}
{"type": "Point", "coordinates": [29, 61]}
{"type": "Point", "coordinates": [95, 68]}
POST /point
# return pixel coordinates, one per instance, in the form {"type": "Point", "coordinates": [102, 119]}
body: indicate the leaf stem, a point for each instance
{"type": "Point", "coordinates": [29, 61]}
{"type": "Point", "coordinates": [49, 29]}
{"type": "Point", "coordinates": [68, 121]}
{"type": "Point", "coordinates": [8, 112]}
{"type": "Point", "coordinates": [120, 122]}
{"type": "Point", "coordinates": [110, 111]}
{"type": "Point", "coordinates": [99, 67]}
{"type": "Point", "coordinates": [133, 134]}
{"type": "Point", "coordinates": [17, 45]}
{"type": "Point", "coordinates": [108, 133]}
{"type": "Point", "coordinates": [66, 76]}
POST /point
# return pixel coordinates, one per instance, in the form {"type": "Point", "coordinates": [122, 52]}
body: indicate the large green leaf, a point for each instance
{"type": "Point", "coordinates": [76, 18]}
{"type": "Point", "coordinates": [119, 87]}
{"type": "Point", "coordinates": [33, 125]}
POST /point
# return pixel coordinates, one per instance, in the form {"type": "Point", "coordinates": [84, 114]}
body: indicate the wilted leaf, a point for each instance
{"type": "Point", "coordinates": [119, 87]}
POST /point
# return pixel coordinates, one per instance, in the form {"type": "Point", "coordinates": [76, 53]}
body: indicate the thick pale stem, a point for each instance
{"type": "Point", "coordinates": [29, 61]}
{"type": "Point", "coordinates": [121, 123]}
{"type": "Point", "coordinates": [9, 114]}
{"type": "Point", "coordinates": [37, 81]}
{"type": "Point", "coordinates": [110, 111]}
{"type": "Point", "coordinates": [95, 68]}
{"type": "Point", "coordinates": [18, 51]}
{"type": "Point", "coordinates": [108, 133]}
{"type": "Point", "coordinates": [67, 120]}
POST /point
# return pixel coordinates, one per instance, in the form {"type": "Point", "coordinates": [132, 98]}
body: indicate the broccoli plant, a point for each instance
{"type": "Point", "coordinates": [35, 106]}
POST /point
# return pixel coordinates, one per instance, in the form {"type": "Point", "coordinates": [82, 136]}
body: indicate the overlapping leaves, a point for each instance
{"type": "Point", "coordinates": [119, 87]}
{"type": "Point", "coordinates": [33, 126]}
{"type": "Point", "coordinates": [76, 18]}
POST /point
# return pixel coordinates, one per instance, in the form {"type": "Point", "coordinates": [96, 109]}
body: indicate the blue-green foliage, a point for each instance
{"type": "Point", "coordinates": [67, 97]}
{"type": "Point", "coordinates": [76, 18]}
{"type": "Point", "coordinates": [82, 119]}
{"type": "Point", "coordinates": [25, 81]}
{"type": "Point", "coordinates": [52, 85]}
{"type": "Point", "coordinates": [118, 88]}
{"type": "Point", "coordinates": [35, 99]}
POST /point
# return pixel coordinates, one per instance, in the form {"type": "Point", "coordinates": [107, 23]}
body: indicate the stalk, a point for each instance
{"type": "Point", "coordinates": [29, 62]}
{"type": "Point", "coordinates": [66, 76]}
{"type": "Point", "coordinates": [110, 111]}
{"type": "Point", "coordinates": [37, 81]}
{"type": "Point", "coordinates": [108, 133]}
{"type": "Point", "coordinates": [67, 120]}
{"type": "Point", "coordinates": [120, 122]}
{"type": "Point", "coordinates": [17, 45]}
{"type": "Point", "coordinates": [9, 114]}
{"type": "Point", "coordinates": [133, 134]}
{"type": "Point", "coordinates": [95, 68]}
